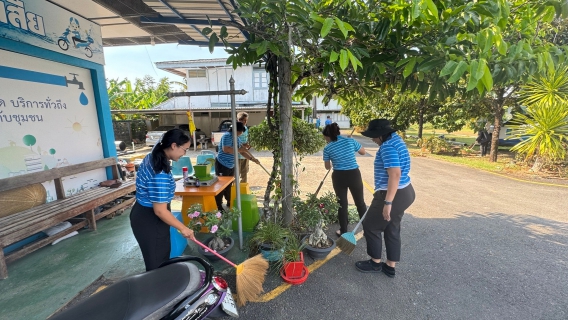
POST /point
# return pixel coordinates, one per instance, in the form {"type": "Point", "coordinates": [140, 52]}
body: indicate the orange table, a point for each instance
{"type": "Point", "coordinates": [203, 195]}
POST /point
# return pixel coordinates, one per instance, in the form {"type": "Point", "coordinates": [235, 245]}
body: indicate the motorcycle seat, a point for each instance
{"type": "Point", "coordinates": [150, 295]}
{"type": "Point", "coordinates": [75, 39]}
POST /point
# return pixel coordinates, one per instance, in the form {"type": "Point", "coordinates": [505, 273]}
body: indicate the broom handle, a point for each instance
{"type": "Point", "coordinates": [351, 135]}
{"type": "Point", "coordinates": [360, 220]}
{"type": "Point", "coordinates": [263, 168]}
{"type": "Point", "coordinates": [321, 183]}
{"type": "Point", "coordinates": [260, 164]}
{"type": "Point", "coordinates": [213, 252]}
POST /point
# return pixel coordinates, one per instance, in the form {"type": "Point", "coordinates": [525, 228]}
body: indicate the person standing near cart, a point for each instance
{"type": "Point", "coordinates": [393, 194]}
{"type": "Point", "coordinates": [242, 117]}
{"type": "Point", "coordinates": [340, 153]}
{"type": "Point", "coordinates": [151, 217]}
{"type": "Point", "coordinates": [225, 162]}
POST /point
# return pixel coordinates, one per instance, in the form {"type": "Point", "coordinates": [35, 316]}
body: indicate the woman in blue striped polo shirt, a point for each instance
{"type": "Point", "coordinates": [393, 195]}
{"type": "Point", "coordinates": [151, 218]}
{"type": "Point", "coordinates": [340, 152]}
{"type": "Point", "coordinates": [225, 162]}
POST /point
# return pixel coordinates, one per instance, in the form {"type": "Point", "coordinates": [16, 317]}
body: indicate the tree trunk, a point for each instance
{"type": "Point", "coordinates": [537, 165]}
{"type": "Point", "coordinates": [420, 118]}
{"type": "Point", "coordinates": [498, 112]}
{"type": "Point", "coordinates": [287, 173]}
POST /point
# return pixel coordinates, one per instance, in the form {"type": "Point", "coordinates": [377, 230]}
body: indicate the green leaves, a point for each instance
{"type": "Point", "coordinates": [333, 56]}
{"type": "Point", "coordinates": [409, 67]}
{"type": "Point", "coordinates": [458, 71]}
{"type": "Point", "coordinates": [328, 23]}
{"type": "Point", "coordinates": [343, 59]}
{"type": "Point", "coordinates": [212, 42]}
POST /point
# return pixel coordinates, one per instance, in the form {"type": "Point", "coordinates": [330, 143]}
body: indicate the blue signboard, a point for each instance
{"type": "Point", "coordinates": [43, 24]}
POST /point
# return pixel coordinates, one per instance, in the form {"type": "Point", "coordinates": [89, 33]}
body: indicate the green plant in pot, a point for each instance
{"type": "Point", "coordinates": [293, 258]}
{"type": "Point", "coordinates": [271, 239]}
{"type": "Point", "coordinates": [314, 214]}
{"type": "Point", "coordinates": [220, 225]}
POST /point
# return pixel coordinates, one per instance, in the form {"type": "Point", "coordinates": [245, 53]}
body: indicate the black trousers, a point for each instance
{"type": "Point", "coordinates": [152, 234]}
{"type": "Point", "coordinates": [374, 223]}
{"type": "Point", "coordinates": [221, 170]}
{"type": "Point", "coordinates": [344, 180]}
{"type": "Point", "coordinates": [485, 148]}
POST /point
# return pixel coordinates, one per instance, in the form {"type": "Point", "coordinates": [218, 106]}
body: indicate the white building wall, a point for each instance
{"type": "Point", "coordinates": [333, 110]}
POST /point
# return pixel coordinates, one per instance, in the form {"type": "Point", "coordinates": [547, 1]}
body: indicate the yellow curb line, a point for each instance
{"type": "Point", "coordinates": [99, 289]}
{"type": "Point", "coordinates": [311, 268]}
{"type": "Point", "coordinates": [368, 187]}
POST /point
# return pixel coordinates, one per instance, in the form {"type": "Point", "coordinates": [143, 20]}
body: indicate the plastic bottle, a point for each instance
{"type": "Point", "coordinates": [185, 173]}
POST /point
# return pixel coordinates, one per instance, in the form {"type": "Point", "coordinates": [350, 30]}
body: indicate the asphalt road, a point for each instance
{"type": "Point", "coordinates": [474, 246]}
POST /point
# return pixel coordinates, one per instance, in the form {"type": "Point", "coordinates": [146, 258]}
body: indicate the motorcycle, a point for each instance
{"type": "Point", "coordinates": [176, 290]}
{"type": "Point", "coordinates": [64, 42]}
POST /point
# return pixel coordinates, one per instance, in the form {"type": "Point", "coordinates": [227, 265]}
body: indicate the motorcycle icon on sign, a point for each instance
{"type": "Point", "coordinates": [73, 31]}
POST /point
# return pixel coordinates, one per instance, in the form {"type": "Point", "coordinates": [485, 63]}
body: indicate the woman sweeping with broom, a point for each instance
{"type": "Point", "coordinates": [393, 195]}
{"type": "Point", "coordinates": [340, 153]}
{"type": "Point", "coordinates": [151, 218]}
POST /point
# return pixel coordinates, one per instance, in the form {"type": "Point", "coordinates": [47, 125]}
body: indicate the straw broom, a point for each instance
{"type": "Point", "coordinates": [250, 275]}
{"type": "Point", "coordinates": [347, 242]}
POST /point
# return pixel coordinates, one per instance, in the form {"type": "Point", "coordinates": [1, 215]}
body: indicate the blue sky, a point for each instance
{"type": "Point", "coordinates": [137, 61]}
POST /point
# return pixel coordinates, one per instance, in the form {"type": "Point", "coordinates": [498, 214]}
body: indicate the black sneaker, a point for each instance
{"type": "Point", "coordinates": [368, 266]}
{"type": "Point", "coordinates": [389, 271]}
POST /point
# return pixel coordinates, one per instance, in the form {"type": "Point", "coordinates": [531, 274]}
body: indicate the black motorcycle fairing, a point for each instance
{"type": "Point", "coordinates": [149, 295]}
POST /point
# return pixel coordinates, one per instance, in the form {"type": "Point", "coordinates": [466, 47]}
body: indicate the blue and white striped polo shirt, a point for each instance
{"type": "Point", "coordinates": [392, 153]}
{"type": "Point", "coordinates": [243, 138]}
{"type": "Point", "coordinates": [153, 187]}
{"type": "Point", "coordinates": [342, 153]}
{"type": "Point", "coordinates": [227, 159]}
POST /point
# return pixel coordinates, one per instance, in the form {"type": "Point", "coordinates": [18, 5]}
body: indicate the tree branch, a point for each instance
{"type": "Point", "coordinates": [306, 74]}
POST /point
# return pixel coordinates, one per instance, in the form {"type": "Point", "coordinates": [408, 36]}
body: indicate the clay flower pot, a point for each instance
{"type": "Point", "coordinates": [318, 253]}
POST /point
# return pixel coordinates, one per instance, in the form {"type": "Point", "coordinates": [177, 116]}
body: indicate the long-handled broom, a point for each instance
{"type": "Point", "coordinates": [260, 164]}
{"type": "Point", "coordinates": [347, 242]}
{"type": "Point", "coordinates": [250, 275]}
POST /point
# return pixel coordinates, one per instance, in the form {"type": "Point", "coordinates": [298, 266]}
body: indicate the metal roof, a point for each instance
{"type": "Point", "coordinates": [181, 104]}
{"type": "Point", "coordinates": [136, 22]}
{"type": "Point", "coordinates": [179, 67]}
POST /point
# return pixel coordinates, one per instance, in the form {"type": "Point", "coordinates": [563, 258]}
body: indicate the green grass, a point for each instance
{"type": "Point", "coordinates": [472, 162]}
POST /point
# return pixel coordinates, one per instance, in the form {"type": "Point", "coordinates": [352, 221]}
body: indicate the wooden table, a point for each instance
{"type": "Point", "coordinates": [203, 195]}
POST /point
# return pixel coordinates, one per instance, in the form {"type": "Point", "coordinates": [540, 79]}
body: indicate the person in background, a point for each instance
{"type": "Point", "coordinates": [318, 123]}
{"type": "Point", "coordinates": [340, 153]}
{"type": "Point", "coordinates": [484, 141]}
{"type": "Point", "coordinates": [225, 162]}
{"type": "Point", "coordinates": [151, 218]}
{"type": "Point", "coordinates": [328, 121]}
{"type": "Point", "coordinates": [242, 117]}
{"type": "Point", "coordinates": [393, 195]}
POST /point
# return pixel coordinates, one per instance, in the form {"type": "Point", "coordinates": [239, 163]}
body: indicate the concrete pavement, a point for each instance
{"type": "Point", "coordinates": [475, 246]}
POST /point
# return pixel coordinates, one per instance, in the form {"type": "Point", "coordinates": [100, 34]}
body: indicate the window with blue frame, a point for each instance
{"type": "Point", "coordinates": [260, 79]}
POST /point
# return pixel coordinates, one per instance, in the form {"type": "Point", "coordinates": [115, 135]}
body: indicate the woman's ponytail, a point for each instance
{"type": "Point", "coordinates": [331, 131]}
{"type": "Point", "coordinates": [160, 161]}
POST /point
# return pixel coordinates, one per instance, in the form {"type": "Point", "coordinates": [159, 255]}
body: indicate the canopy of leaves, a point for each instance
{"type": "Point", "coordinates": [307, 139]}
{"type": "Point", "coordinates": [142, 94]}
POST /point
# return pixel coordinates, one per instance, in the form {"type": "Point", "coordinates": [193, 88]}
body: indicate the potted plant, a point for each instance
{"type": "Point", "coordinates": [313, 215]}
{"type": "Point", "coordinates": [220, 225]}
{"type": "Point", "coordinates": [293, 260]}
{"type": "Point", "coordinates": [271, 237]}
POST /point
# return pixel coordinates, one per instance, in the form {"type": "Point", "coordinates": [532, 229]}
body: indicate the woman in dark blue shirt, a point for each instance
{"type": "Point", "coordinates": [151, 218]}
